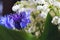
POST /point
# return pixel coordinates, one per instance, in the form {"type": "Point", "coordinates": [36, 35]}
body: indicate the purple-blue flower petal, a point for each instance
{"type": "Point", "coordinates": [16, 20]}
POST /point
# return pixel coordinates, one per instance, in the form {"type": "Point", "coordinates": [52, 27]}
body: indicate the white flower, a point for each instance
{"type": "Point", "coordinates": [55, 20]}
{"type": "Point", "coordinates": [47, 10]}
{"type": "Point", "coordinates": [54, 3]}
{"type": "Point", "coordinates": [43, 15]}
{"type": "Point", "coordinates": [24, 9]}
{"type": "Point", "coordinates": [44, 7]}
{"type": "Point", "coordinates": [39, 7]}
{"type": "Point", "coordinates": [40, 1]}
{"type": "Point", "coordinates": [17, 7]}
{"type": "Point", "coordinates": [59, 21]}
{"type": "Point", "coordinates": [57, 4]}
{"type": "Point", "coordinates": [59, 27]}
{"type": "Point", "coordinates": [21, 10]}
{"type": "Point", "coordinates": [51, 1]}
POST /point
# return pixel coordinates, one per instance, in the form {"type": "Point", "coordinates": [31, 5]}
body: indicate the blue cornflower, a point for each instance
{"type": "Point", "coordinates": [7, 22]}
{"type": "Point", "coordinates": [16, 21]}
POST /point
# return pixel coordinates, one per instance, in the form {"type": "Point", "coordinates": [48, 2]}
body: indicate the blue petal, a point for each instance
{"type": "Point", "coordinates": [17, 25]}
{"type": "Point", "coordinates": [23, 25]}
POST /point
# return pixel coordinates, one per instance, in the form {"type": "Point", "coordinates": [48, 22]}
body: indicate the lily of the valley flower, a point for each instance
{"type": "Point", "coordinates": [55, 20]}
{"type": "Point", "coordinates": [59, 21]}
{"type": "Point", "coordinates": [51, 1]}
{"type": "Point", "coordinates": [43, 7]}
{"type": "Point", "coordinates": [57, 4]}
{"type": "Point", "coordinates": [44, 13]}
{"type": "Point", "coordinates": [17, 7]}
{"type": "Point", "coordinates": [39, 7]}
{"type": "Point", "coordinates": [40, 1]}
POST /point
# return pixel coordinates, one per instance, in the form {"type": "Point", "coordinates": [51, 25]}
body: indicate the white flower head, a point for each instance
{"type": "Point", "coordinates": [45, 7]}
{"type": "Point", "coordinates": [24, 9]}
{"type": "Point", "coordinates": [51, 1]}
{"type": "Point", "coordinates": [59, 21]}
{"type": "Point", "coordinates": [55, 20]}
{"type": "Point", "coordinates": [40, 1]}
{"type": "Point", "coordinates": [47, 10]}
{"type": "Point", "coordinates": [21, 10]}
{"type": "Point", "coordinates": [43, 15]}
{"type": "Point", "coordinates": [39, 7]}
{"type": "Point", "coordinates": [59, 27]}
{"type": "Point", "coordinates": [17, 7]}
{"type": "Point", "coordinates": [57, 4]}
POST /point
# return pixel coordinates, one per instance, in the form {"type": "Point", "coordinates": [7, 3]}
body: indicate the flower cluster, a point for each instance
{"type": "Point", "coordinates": [41, 7]}
{"type": "Point", "coordinates": [16, 21]}
{"type": "Point", "coordinates": [38, 9]}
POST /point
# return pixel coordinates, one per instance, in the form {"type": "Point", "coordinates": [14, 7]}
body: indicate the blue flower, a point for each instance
{"type": "Point", "coordinates": [7, 22]}
{"type": "Point", "coordinates": [16, 21]}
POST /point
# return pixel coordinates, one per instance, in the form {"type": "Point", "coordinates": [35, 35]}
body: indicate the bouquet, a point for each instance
{"type": "Point", "coordinates": [32, 20]}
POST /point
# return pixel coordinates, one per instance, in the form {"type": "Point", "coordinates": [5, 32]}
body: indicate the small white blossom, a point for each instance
{"type": "Point", "coordinates": [57, 4]}
{"type": "Point", "coordinates": [43, 15]}
{"type": "Point", "coordinates": [40, 1]}
{"type": "Point", "coordinates": [47, 10]}
{"type": "Point", "coordinates": [15, 7]}
{"type": "Point", "coordinates": [39, 7]}
{"type": "Point", "coordinates": [51, 1]}
{"type": "Point", "coordinates": [55, 20]}
{"type": "Point", "coordinates": [59, 27]}
{"type": "Point", "coordinates": [21, 10]}
{"type": "Point", "coordinates": [24, 9]}
{"type": "Point", "coordinates": [59, 21]}
{"type": "Point", "coordinates": [45, 7]}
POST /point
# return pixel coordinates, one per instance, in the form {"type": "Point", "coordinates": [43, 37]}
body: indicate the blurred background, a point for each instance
{"type": "Point", "coordinates": [5, 6]}
{"type": "Point", "coordinates": [1, 6]}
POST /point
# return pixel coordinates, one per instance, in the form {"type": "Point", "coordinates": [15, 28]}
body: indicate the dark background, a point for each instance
{"type": "Point", "coordinates": [1, 7]}
{"type": "Point", "coordinates": [7, 6]}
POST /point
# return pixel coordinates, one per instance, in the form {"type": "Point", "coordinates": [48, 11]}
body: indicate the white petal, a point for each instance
{"type": "Point", "coordinates": [39, 7]}
{"type": "Point", "coordinates": [59, 21]}
{"type": "Point", "coordinates": [40, 1]}
{"type": "Point", "coordinates": [15, 8]}
{"type": "Point", "coordinates": [57, 4]}
{"type": "Point", "coordinates": [43, 15]}
{"type": "Point", "coordinates": [55, 20]}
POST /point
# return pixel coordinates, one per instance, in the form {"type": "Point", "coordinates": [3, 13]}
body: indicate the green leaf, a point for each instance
{"type": "Point", "coordinates": [7, 34]}
{"type": "Point", "coordinates": [50, 30]}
